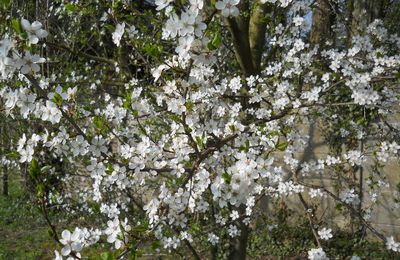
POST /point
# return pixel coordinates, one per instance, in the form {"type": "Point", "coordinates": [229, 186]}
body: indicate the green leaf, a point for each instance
{"type": "Point", "coordinates": [245, 147]}
{"type": "Point", "coordinates": [141, 228]}
{"type": "Point", "coordinates": [40, 189]}
{"type": "Point", "coordinates": [152, 50]}
{"type": "Point", "coordinates": [98, 122]}
{"type": "Point", "coordinates": [106, 256]}
{"type": "Point", "coordinates": [286, 130]}
{"type": "Point", "coordinates": [155, 245]}
{"type": "Point", "coordinates": [200, 141]}
{"type": "Point", "coordinates": [274, 133]}
{"type": "Point", "coordinates": [189, 106]}
{"type": "Point", "coordinates": [5, 3]}
{"type": "Point", "coordinates": [16, 25]}
{"type": "Point", "coordinates": [339, 207]}
{"type": "Point", "coordinates": [109, 168]}
{"type": "Point", "coordinates": [227, 177]}
{"type": "Point", "coordinates": [110, 27]}
{"type": "Point", "coordinates": [266, 19]}
{"type": "Point", "coordinates": [282, 146]}
{"type": "Point", "coordinates": [95, 207]}
{"type": "Point", "coordinates": [57, 99]}
{"type": "Point", "coordinates": [216, 42]}
{"type": "Point", "coordinates": [127, 101]}
{"type": "Point", "coordinates": [45, 169]}
{"type": "Point", "coordinates": [71, 7]}
{"type": "Point", "coordinates": [135, 112]}
{"type": "Point", "coordinates": [34, 170]}
{"type": "Point", "coordinates": [50, 232]}
{"type": "Point", "coordinates": [12, 155]}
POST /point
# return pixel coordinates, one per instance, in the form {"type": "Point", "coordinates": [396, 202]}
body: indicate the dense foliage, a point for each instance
{"type": "Point", "coordinates": [166, 124]}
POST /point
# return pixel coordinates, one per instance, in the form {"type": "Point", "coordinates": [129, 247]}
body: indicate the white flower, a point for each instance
{"type": "Point", "coordinates": [186, 236]}
{"type": "Point", "coordinates": [172, 27]}
{"type": "Point", "coordinates": [354, 157]}
{"type": "Point", "coordinates": [235, 84]}
{"type": "Point", "coordinates": [228, 7]}
{"type": "Point", "coordinates": [299, 45]}
{"type": "Point", "coordinates": [315, 193]}
{"type": "Point", "coordinates": [234, 215]}
{"type": "Point", "coordinates": [29, 63]}
{"type": "Point", "coordinates": [5, 46]}
{"type": "Point", "coordinates": [312, 95]}
{"type": "Point", "coordinates": [6, 64]}
{"type": "Point", "coordinates": [185, 43]}
{"type": "Point", "coordinates": [349, 196]}
{"type": "Point", "coordinates": [161, 4]}
{"type": "Point", "coordinates": [96, 169]}
{"type": "Point", "coordinates": [196, 4]}
{"type": "Point", "coordinates": [114, 232]}
{"type": "Point", "coordinates": [317, 254]}
{"type": "Point", "coordinates": [71, 242]}
{"type": "Point", "coordinates": [391, 244]}
{"type": "Point", "coordinates": [213, 239]}
{"type": "Point", "coordinates": [233, 231]}
{"type": "Point", "coordinates": [58, 256]}
{"type": "Point", "coordinates": [187, 22]}
{"type": "Point", "coordinates": [98, 146]}
{"type": "Point", "coordinates": [34, 30]}
{"type": "Point", "coordinates": [298, 20]}
{"type": "Point", "coordinates": [79, 146]}
{"type": "Point", "coordinates": [117, 34]}
{"type": "Point", "coordinates": [51, 113]}
{"type": "Point", "coordinates": [325, 233]}
{"type": "Point", "coordinates": [132, 31]}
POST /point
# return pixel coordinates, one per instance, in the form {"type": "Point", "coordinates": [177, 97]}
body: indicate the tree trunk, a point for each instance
{"type": "Point", "coordinates": [257, 29]}
{"type": "Point", "coordinates": [323, 18]}
{"type": "Point", "coordinates": [238, 248]}
{"type": "Point", "coordinates": [248, 35]}
{"type": "Point", "coordinates": [364, 12]}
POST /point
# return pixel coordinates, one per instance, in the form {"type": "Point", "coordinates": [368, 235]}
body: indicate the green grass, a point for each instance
{"type": "Point", "coordinates": [24, 234]}
{"type": "Point", "coordinates": [23, 231]}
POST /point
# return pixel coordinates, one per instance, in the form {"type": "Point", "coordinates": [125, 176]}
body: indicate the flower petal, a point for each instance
{"type": "Point", "coordinates": [66, 234]}
{"type": "Point", "coordinates": [66, 250]}
{"type": "Point", "coordinates": [26, 25]}
{"type": "Point", "coordinates": [76, 246]}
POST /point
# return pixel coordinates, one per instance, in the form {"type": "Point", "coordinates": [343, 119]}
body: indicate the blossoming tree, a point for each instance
{"type": "Point", "coordinates": [172, 121]}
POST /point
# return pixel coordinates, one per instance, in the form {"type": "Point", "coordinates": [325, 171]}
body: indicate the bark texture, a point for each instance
{"type": "Point", "coordinates": [364, 12]}
{"type": "Point", "coordinates": [323, 18]}
{"type": "Point", "coordinates": [248, 33]}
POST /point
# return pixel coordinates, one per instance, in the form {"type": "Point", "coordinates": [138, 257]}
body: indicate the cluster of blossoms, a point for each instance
{"type": "Point", "coordinates": [387, 150]}
{"type": "Point", "coordinates": [202, 144]}
{"type": "Point", "coordinates": [73, 243]}
{"type": "Point", "coordinates": [349, 196]}
{"type": "Point", "coordinates": [317, 254]}
{"type": "Point", "coordinates": [26, 63]}
{"type": "Point", "coordinates": [8, 162]}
